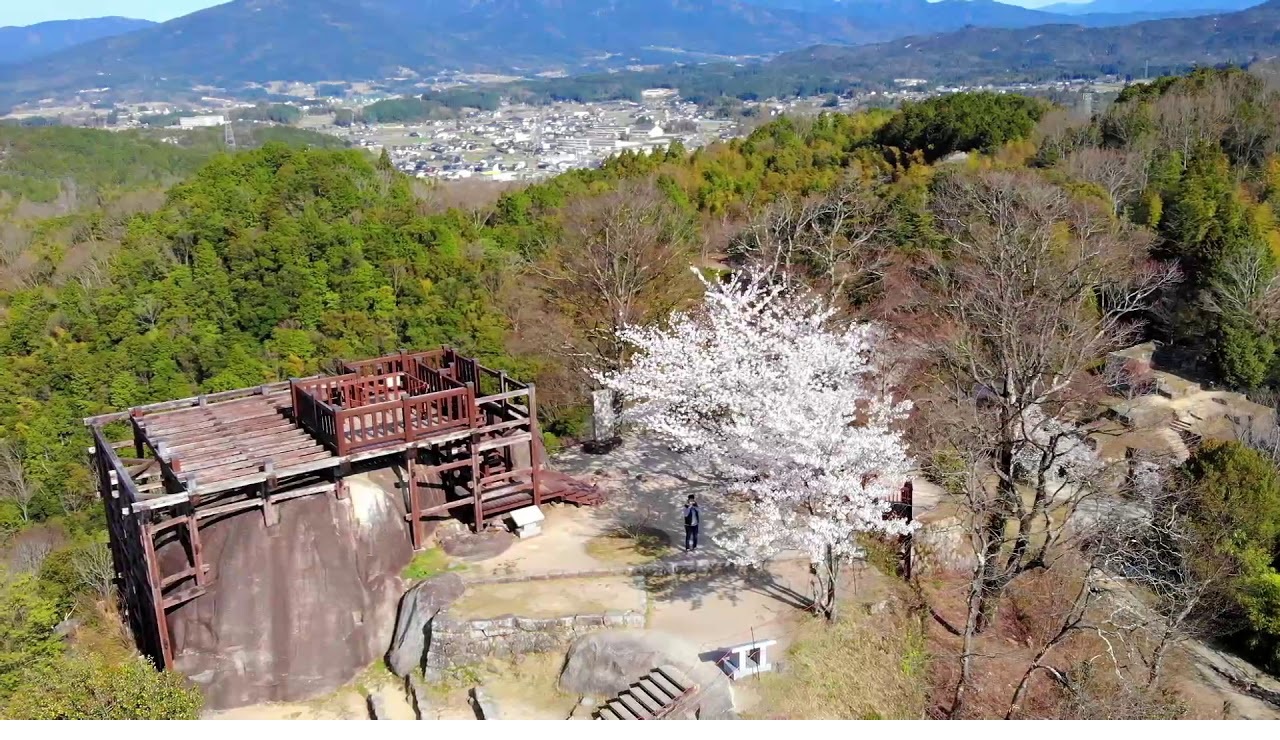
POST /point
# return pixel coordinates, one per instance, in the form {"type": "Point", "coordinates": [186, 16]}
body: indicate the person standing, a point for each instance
{"type": "Point", "coordinates": [692, 520]}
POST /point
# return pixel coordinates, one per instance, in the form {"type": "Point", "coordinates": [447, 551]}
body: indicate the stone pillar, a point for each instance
{"type": "Point", "coordinates": [604, 417]}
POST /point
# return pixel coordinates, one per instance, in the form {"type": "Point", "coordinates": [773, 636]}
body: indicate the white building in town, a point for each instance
{"type": "Point", "coordinates": [190, 122]}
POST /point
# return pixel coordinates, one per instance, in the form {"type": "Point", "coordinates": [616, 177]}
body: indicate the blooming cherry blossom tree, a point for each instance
{"type": "Point", "coordinates": [765, 389]}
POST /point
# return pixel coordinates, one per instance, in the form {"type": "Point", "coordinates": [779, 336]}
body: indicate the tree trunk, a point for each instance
{"type": "Point", "coordinates": [987, 581]}
{"type": "Point", "coordinates": [966, 654]}
{"type": "Point", "coordinates": [826, 579]}
{"type": "Point", "coordinates": [994, 578]}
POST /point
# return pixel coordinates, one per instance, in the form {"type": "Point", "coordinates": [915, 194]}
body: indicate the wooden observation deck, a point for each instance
{"type": "Point", "coordinates": [467, 437]}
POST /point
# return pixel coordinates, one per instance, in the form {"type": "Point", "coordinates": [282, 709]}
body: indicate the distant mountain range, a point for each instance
{"type": "Point", "coordinates": [907, 17]}
{"type": "Point", "coordinates": [1048, 52]}
{"type": "Point", "coordinates": [255, 41]}
{"type": "Point", "coordinates": [1168, 8]}
{"type": "Point", "coordinates": [24, 43]}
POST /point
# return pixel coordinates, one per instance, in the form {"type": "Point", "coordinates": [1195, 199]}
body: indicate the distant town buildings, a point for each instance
{"type": "Point", "coordinates": [207, 121]}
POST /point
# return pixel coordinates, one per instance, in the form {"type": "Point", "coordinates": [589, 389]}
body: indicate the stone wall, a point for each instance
{"type": "Point", "coordinates": [458, 642]}
{"type": "Point", "coordinates": [658, 568]}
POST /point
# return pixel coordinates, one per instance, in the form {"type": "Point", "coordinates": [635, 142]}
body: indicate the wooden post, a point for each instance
{"type": "Point", "coordinates": [406, 410]}
{"type": "Point", "coordinates": [157, 596]}
{"type": "Point", "coordinates": [415, 509]}
{"type": "Point", "coordinates": [535, 447]}
{"type": "Point", "coordinates": [197, 549]}
{"type": "Point", "coordinates": [139, 449]}
{"type": "Point", "coordinates": [476, 504]}
{"type": "Point", "coordinates": [270, 516]}
{"type": "Point", "coordinates": [340, 472]}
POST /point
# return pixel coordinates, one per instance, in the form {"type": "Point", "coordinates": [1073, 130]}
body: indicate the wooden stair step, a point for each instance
{"type": "Point", "coordinates": [635, 706]}
{"type": "Point", "coordinates": [676, 676]}
{"type": "Point", "coordinates": [495, 494]}
{"type": "Point", "coordinates": [651, 705]}
{"type": "Point", "coordinates": [666, 684]}
{"type": "Point", "coordinates": [183, 596]}
{"type": "Point", "coordinates": [622, 710]}
{"type": "Point", "coordinates": [647, 685]}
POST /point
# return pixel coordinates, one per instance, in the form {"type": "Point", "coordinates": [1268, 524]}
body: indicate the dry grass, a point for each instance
{"type": "Point", "coordinates": [524, 688]}
{"type": "Point", "coordinates": [629, 545]}
{"type": "Point", "coordinates": [544, 599]}
{"type": "Point", "coordinates": [863, 667]}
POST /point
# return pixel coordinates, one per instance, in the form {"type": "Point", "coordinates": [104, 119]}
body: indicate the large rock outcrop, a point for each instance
{"type": "Point", "coordinates": [295, 610]}
{"type": "Point", "coordinates": [605, 663]}
{"type": "Point", "coordinates": [413, 621]}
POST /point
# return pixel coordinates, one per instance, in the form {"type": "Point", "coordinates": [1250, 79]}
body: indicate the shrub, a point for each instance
{"type": "Point", "coordinates": [427, 564]}
{"type": "Point", "coordinates": [91, 687]}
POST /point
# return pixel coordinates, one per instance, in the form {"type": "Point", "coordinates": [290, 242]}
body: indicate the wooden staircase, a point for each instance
{"type": "Point", "coordinates": [665, 692]}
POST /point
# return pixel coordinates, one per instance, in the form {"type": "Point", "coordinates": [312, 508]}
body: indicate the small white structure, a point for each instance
{"type": "Point", "coordinates": [190, 122]}
{"type": "Point", "coordinates": [748, 660]}
{"type": "Point", "coordinates": [527, 521]}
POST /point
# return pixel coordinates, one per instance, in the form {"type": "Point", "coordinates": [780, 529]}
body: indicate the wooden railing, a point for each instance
{"type": "Point", "coordinates": [338, 412]}
{"type": "Point", "coordinates": [413, 397]}
{"type": "Point", "coordinates": [316, 416]}
{"type": "Point", "coordinates": [353, 391]}
{"type": "Point", "coordinates": [398, 363]}
{"type": "Point", "coordinates": [421, 379]}
{"type": "Point", "coordinates": [408, 419]}
{"type": "Point", "coordinates": [169, 470]}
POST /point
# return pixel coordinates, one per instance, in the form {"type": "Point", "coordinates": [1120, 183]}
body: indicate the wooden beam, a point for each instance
{"type": "Point", "coordinates": [507, 476]}
{"type": "Point", "coordinates": [265, 391]}
{"type": "Point", "coordinates": [415, 514]}
{"type": "Point", "coordinates": [477, 507]}
{"type": "Point", "coordinates": [499, 397]}
{"type": "Point", "coordinates": [535, 447]}
{"type": "Point", "coordinates": [500, 442]}
{"type": "Point", "coordinates": [160, 502]}
{"type": "Point", "coordinates": [157, 596]}
{"type": "Point", "coordinates": [446, 507]}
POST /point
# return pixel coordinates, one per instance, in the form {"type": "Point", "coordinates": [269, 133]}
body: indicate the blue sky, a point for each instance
{"type": "Point", "coordinates": [26, 12]}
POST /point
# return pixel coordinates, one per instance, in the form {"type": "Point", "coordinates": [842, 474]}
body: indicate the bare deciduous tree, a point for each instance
{"type": "Point", "coordinates": [1034, 289]}
{"type": "Point", "coordinates": [30, 548]}
{"type": "Point", "coordinates": [95, 568]}
{"type": "Point", "coordinates": [16, 486]}
{"type": "Point", "coordinates": [1247, 287]}
{"type": "Point", "coordinates": [836, 240]}
{"type": "Point", "coordinates": [1074, 618]}
{"type": "Point", "coordinates": [623, 260]}
{"type": "Point", "coordinates": [1120, 173]}
{"type": "Point", "coordinates": [1150, 542]}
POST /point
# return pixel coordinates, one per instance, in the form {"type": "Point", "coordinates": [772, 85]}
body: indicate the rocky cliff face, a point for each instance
{"type": "Point", "coordinates": [298, 609]}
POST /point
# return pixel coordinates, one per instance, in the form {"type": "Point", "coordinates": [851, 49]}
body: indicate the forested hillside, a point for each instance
{"type": "Point", "coordinates": [273, 263]}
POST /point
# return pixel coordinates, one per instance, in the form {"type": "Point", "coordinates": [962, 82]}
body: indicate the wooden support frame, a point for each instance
{"type": "Point", "coordinates": [207, 457]}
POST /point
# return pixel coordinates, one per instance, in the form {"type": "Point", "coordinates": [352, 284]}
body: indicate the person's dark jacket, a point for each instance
{"type": "Point", "coordinates": [692, 516]}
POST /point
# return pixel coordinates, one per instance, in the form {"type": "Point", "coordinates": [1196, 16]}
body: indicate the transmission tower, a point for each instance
{"type": "Point", "coordinates": [229, 135]}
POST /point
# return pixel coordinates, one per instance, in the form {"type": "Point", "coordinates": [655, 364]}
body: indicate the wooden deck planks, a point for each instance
{"type": "Point", "coordinates": [232, 440]}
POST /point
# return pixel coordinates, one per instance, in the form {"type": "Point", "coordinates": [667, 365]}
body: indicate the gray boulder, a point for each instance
{"type": "Point", "coordinates": [484, 705]}
{"type": "Point", "coordinates": [419, 606]}
{"type": "Point", "coordinates": [605, 663]}
{"type": "Point", "coordinates": [295, 610]}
